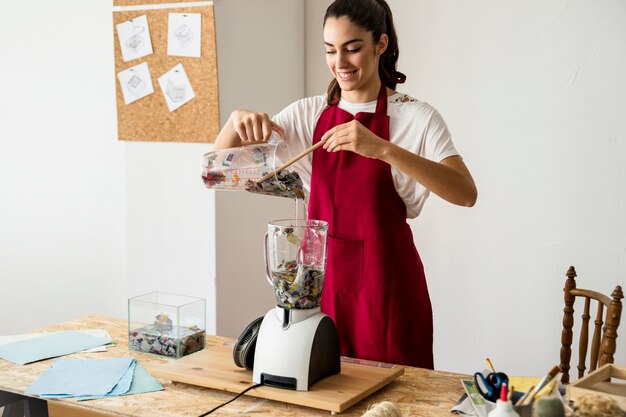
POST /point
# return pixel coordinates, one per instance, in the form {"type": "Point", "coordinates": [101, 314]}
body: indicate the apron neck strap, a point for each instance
{"type": "Point", "coordinates": [381, 103]}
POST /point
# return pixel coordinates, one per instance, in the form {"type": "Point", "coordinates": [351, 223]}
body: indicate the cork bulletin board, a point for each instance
{"type": "Point", "coordinates": [149, 118]}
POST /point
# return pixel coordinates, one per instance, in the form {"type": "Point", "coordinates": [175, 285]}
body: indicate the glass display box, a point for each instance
{"type": "Point", "coordinates": [166, 324]}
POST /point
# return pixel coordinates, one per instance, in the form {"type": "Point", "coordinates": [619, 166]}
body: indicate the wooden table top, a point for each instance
{"type": "Point", "coordinates": [419, 392]}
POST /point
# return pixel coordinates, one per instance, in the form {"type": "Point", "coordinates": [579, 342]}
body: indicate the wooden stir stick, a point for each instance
{"type": "Point", "coordinates": [291, 161]}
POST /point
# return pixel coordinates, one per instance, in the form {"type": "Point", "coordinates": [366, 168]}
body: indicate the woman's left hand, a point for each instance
{"type": "Point", "coordinates": [353, 136]}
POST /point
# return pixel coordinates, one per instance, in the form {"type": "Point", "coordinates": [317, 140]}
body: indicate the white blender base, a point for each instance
{"type": "Point", "coordinates": [298, 355]}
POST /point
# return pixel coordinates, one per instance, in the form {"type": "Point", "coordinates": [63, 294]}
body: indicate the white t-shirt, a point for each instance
{"type": "Point", "coordinates": [414, 125]}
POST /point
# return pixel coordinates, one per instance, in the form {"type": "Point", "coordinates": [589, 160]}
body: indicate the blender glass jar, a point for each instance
{"type": "Point", "coordinates": [295, 255]}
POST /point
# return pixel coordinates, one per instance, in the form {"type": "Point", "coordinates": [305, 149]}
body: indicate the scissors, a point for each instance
{"type": "Point", "coordinates": [492, 384]}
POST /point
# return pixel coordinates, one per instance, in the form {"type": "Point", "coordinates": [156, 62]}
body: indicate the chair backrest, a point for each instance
{"type": "Point", "coordinates": [603, 339]}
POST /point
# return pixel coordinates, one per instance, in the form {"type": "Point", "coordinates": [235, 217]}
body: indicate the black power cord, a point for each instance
{"type": "Point", "coordinates": [231, 400]}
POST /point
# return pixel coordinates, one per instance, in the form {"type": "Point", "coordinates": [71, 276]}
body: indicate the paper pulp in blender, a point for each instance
{"type": "Point", "coordinates": [296, 262]}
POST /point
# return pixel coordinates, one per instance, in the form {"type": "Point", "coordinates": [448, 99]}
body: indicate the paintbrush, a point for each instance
{"type": "Point", "coordinates": [544, 381]}
{"type": "Point", "coordinates": [291, 161]}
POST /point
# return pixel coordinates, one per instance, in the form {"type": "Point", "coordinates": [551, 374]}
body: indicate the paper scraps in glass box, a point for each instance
{"type": "Point", "coordinates": [184, 34]}
{"type": "Point", "coordinates": [176, 87]}
{"type": "Point", "coordinates": [134, 37]}
{"type": "Point", "coordinates": [135, 82]}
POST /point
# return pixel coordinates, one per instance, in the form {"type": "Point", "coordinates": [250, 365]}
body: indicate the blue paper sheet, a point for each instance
{"type": "Point", "coordinates": [75, 377]}
{"type": "Point", "coordinates": [49, 346]}
{"type": "Point", "coordinates": [142, 382]}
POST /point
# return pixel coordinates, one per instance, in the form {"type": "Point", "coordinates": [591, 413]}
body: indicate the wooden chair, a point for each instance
{"type": "Point", "coordinates": [603, 340]}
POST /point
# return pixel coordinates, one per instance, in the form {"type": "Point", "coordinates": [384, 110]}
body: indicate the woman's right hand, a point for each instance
{"type": "Point", "coordinates": [253, 127]}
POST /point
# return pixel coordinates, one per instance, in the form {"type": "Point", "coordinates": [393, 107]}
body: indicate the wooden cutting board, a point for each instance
{"type": "Point", "coordinates": [214, 368]}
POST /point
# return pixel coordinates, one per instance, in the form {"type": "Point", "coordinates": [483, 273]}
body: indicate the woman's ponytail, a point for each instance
{"type": "Point", "coordinates": [389, 75]}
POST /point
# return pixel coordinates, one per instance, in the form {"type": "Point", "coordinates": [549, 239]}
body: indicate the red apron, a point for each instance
{"type": "Point", "coordinates": [375, 289]}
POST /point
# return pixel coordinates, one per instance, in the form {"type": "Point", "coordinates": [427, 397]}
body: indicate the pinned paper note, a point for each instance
{"type": "Point", "coordinates": [184, 34]}
{"type": "Point", "coordinates": [136, 83]}
{"type": "Point", "coordinates": [176, 87]}
{"type": "Point", "coordinates": [134, 37]}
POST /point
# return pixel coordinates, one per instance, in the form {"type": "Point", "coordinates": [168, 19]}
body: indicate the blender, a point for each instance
{"type": "Point", "coordinates": [297, 344]}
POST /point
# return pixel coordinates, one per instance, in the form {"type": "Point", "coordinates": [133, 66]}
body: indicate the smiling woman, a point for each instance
{"type": "Point", "coordinates": [353, 59]}
{"type": "Point", "coordinates": [373, 35]}
{"type": "Point", "coordinates": [383, 153]}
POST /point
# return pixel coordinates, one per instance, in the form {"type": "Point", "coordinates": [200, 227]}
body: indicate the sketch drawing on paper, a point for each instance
{"type": "Point", "coordinates": [136, 41]}
{"type": "Point", "coordinates": [135, 82]}
{"type": "Point", "coordinates": [175, 92]}
{"type": "Point", "coordinates": [176, 87]}
{"type": "Point", "coordinates": [136, 85]}
{"type": "Point", "coordinates": [183, 35]}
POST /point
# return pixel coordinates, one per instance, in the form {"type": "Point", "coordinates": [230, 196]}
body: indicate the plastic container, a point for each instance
{"type": "Point", "coordinates": [521, 410]}
{"type": "Point", "coordinates": [234, 168]}
{"type": "Point", "coordinates": [503, 407]}
{"type": "Point", "coordinates": [166, 324]}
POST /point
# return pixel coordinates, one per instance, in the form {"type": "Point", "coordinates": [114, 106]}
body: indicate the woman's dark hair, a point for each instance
{"type": "Point", "coordinates": [373, 16]}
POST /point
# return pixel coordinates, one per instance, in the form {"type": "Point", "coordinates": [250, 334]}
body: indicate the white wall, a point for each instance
{"type": "Point", "coordinates": [62, 172]}
{"type": "Point", "coordinates": [170, 222]}
{"type": "Point", "coordinates": [533, 93]}
{"type": "Point", "coordinates": [262, 70]}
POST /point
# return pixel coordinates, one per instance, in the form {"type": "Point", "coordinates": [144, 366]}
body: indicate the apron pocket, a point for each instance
{"type": "Point", "coordinates": [345, 265]}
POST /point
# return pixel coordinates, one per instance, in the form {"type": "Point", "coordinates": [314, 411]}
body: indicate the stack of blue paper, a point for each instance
{"type": "Point", "coordinates": [93, 378]}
